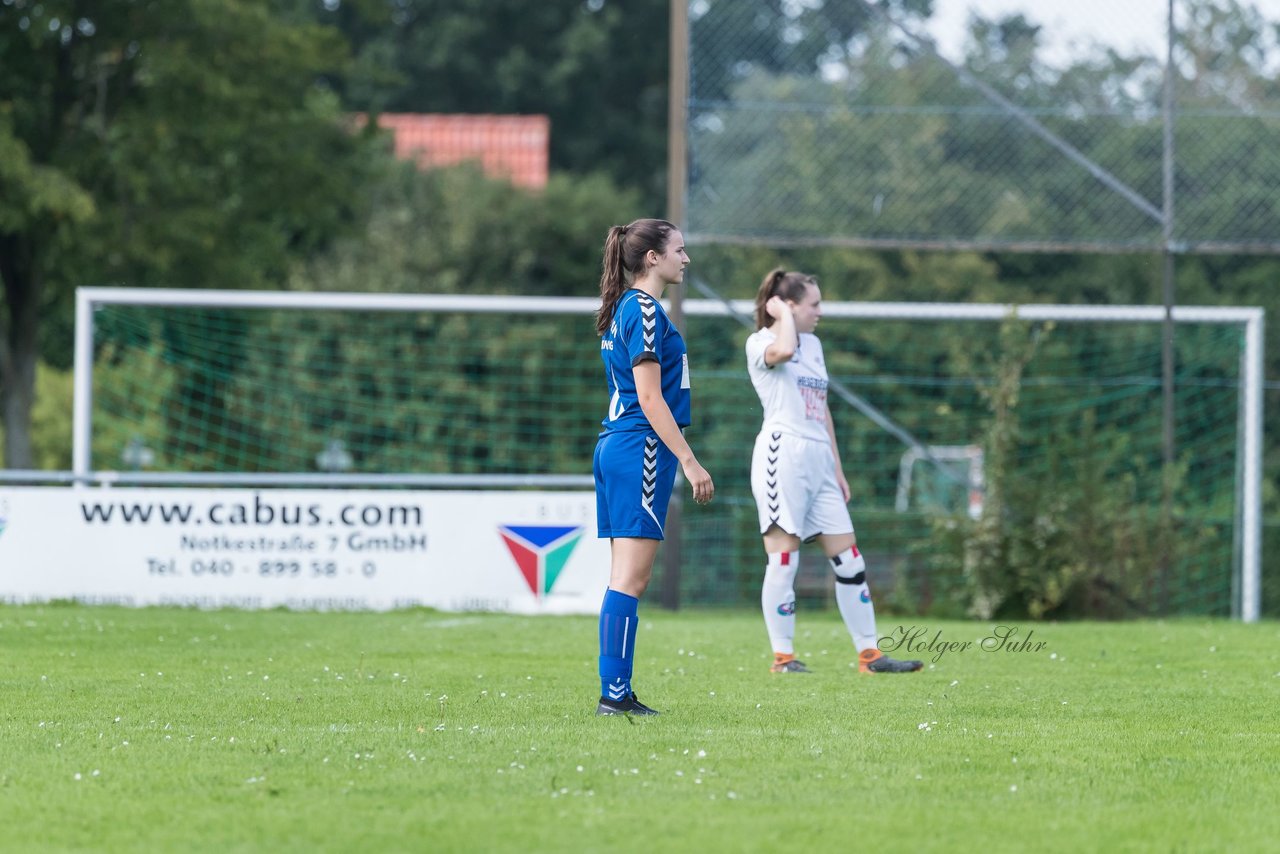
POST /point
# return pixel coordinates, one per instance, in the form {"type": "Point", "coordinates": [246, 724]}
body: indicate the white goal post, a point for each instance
{"type": "Point", "coordinates": [1251, 319]}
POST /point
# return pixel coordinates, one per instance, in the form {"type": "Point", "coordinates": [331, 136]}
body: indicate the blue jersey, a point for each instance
{"type": "Point", "coordinates": [641, 331]}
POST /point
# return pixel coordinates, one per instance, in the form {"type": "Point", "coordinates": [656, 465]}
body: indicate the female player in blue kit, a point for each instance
{"type": "Point", "coordinates": [647, 374]}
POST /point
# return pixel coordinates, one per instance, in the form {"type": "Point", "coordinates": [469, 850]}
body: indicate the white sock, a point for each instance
{"type": "Point", "coordinates": [778, 600]}
{"type": "Point", "coordinates": [854, 598]}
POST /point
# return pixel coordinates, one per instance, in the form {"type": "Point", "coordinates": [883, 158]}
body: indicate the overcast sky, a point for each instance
{"type": "Point", "coordinates": [1125, 24]}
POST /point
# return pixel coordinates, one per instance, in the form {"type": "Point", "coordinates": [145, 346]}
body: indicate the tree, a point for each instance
{"type": "Point", "coordinates": [454, 230]}
{"type": "Point", "coordinates": [178, 143]}
{"type": "Point", "coordinates": [598, 69]}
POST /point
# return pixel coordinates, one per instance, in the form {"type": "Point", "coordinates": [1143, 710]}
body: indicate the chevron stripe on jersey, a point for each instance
{"type": "Point", "coordinates": [649, 322]}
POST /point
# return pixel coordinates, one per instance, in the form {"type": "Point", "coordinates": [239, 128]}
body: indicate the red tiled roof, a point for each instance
{"type": "Point", "coordinates": [514, 147]}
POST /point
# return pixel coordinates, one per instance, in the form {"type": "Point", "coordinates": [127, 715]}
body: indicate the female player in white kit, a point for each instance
{"type": "Point", "coordinates": [800, 491]}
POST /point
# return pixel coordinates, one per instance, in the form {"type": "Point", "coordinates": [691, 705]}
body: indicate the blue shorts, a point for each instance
{"type": "Point", "coordinates": [635, 473]}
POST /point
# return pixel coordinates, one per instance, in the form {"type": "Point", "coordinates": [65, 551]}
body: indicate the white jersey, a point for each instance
{"type": "Point", "coordinates": [793, 393]}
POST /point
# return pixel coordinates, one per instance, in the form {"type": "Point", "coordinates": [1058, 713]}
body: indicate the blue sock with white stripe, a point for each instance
{"type": "Point", "coordinates": [617, 643]}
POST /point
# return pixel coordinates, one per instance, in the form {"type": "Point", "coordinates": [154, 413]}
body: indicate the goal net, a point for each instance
{"type": "Point", "coordinates": [1030, 438]}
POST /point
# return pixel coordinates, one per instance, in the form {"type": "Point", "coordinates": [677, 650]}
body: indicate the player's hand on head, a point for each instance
{"type": "Point", "coordinates": [776, 306]}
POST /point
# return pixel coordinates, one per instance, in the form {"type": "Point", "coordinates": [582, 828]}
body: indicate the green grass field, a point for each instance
{"type": "Point", "coordinates": [163, 729]}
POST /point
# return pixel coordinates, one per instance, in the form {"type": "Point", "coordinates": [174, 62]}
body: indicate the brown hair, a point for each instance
{"type": "Point", "coordinates": [624, 250]}
{"type": "Point", "coordinates": [779, 283]}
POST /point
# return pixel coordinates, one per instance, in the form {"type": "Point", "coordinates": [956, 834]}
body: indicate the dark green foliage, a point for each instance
{"type": "Point", "coordinates": [1075, 522]}
{"type": "Point", "coordinates": [456, 231]}
{"type": "Point", "coordinates": [186, 143]}
{"type": "Point", "coordinates": [598, 70]}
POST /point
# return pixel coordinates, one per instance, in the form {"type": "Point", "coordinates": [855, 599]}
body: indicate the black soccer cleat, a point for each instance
{"type": "Point", "coordinates": [875, 661]}
{"type": "Point", "coordinates": [788, 665]}
{"type": "Point", "coordinates": [628, 705]}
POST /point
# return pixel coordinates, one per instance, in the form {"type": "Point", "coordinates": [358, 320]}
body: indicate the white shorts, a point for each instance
{"type": "Point", "coordinates": [794, 484]}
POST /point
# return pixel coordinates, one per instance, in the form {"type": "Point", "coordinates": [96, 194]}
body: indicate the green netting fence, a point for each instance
{"type": "Point", "coordinates": [843, 124]}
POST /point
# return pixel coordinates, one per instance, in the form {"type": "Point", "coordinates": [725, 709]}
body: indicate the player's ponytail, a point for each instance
{"type": "Point", "coordinates": [779, 283]}
{"type": "Point", "coordinates": [768, 289]}
{"type": "Point", "coordinates": [613, 281]}
{"type": "Point", "coordinates": [624, 249]}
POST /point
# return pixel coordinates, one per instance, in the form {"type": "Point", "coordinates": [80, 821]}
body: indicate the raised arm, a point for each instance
{"type": "Point", "coordinates": [785, 337]}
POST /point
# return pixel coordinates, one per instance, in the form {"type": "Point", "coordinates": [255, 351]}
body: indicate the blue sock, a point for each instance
{"type": "Point", "coordinates": [617, 643]}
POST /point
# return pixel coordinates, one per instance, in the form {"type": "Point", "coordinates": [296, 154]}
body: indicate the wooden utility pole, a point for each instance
{"type": "Point", "coordinates": [677, 176]}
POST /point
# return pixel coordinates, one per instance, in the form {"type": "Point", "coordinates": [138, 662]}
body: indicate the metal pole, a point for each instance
{"type": "Point", "coordinates": [82, 401]}
{"type": "Point", "coordinates": [1166, 349]}
{"type": "Point", "coordinates": [1251, 489]}
{"type": "Point", "coordinates": [1167, 354]}
{"type": "Point", "coordinates": [677, 114]}
{"type": "Point", "coordinates": [677, 176]}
